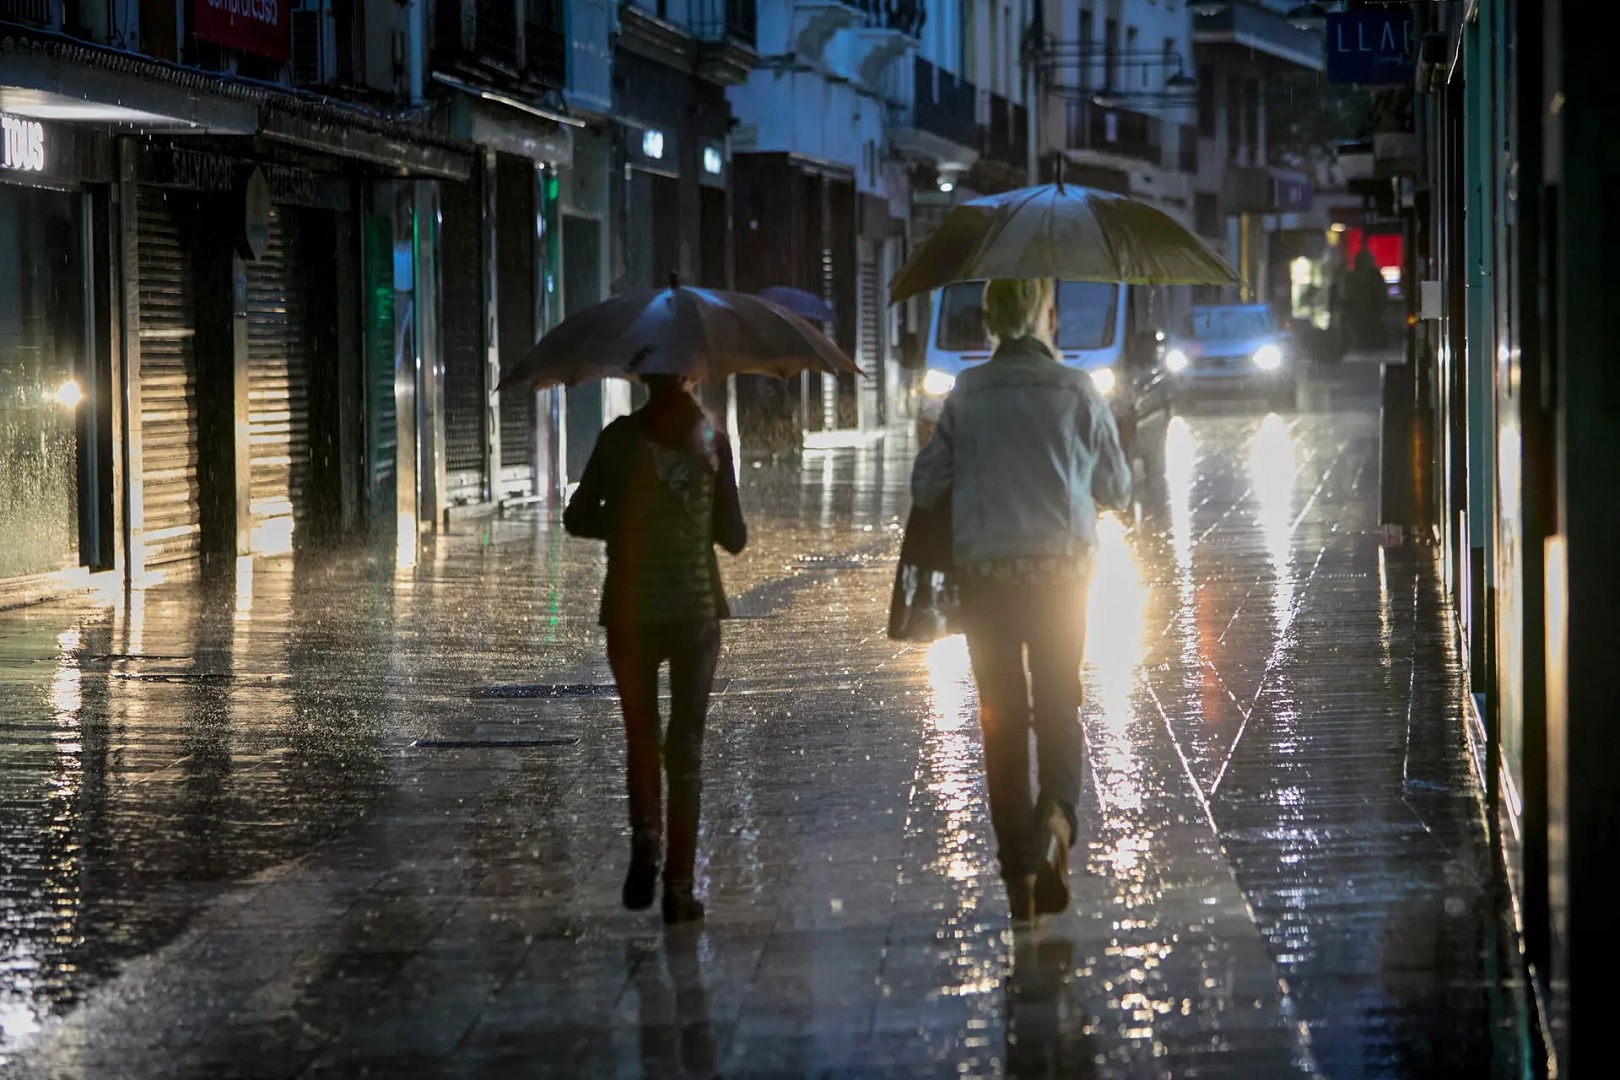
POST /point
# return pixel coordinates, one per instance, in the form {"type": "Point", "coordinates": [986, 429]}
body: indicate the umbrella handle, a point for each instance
{"type": "Point", "coordinates": [674, 279]}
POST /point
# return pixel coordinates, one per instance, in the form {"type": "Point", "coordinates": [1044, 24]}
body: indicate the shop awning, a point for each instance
{"type": "Point", "coordinates": [487, 117]}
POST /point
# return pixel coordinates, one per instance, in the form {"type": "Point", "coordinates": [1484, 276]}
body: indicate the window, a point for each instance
{"type": "Point", "coordinates": [1228, 323]}
{"type": "Point", "coordinates": [1234, 117]}
{"type": "Point", "coordinates": [1111, 53]}
{"type": "Point", "coordinates": [1206, 101]}
{"type": "Point", "coordinates": [1087, 49]}
{"type": "Point", "coordinates": [1251, 119]}
{"type": "Point", "coordinates": [46, 384]}
{"type": "Point", "coordinates": [1207, 214]}
{"type": "Point", "coordinates": [1087, 311]}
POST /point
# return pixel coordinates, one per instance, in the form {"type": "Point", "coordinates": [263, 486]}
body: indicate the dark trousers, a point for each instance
{"type": "Point", "coordinates": [1045, 622]}
{"type": "Point", "coordinates": [635, 654]}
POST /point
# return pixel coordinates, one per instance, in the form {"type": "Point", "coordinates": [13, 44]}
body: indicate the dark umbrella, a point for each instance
{"type": "Point", "coordinates": [806, 305]}
{"type": "Point", "coordinates": [1064, 232]}
{"type": "Point", "coordinates": [701, 334]}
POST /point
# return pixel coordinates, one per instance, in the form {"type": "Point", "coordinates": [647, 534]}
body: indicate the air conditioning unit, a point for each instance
{"type": "Point", "coordinates": [314, 43]}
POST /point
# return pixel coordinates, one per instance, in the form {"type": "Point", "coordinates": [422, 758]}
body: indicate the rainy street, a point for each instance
{"type": "Point", "coordinates": [347, 815]}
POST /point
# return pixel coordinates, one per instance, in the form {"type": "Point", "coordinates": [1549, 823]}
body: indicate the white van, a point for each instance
{"type": "Point", "coordinates": [1103, 328]}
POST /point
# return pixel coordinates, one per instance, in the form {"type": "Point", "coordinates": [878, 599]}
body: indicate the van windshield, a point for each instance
{"type": "Point", "coordinates": [1227, 323]}
{"type": "Point", "coordinates": [1086, 315]}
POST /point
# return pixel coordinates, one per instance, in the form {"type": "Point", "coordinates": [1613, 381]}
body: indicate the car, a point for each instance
{"type": "Point", "coordinates": [1223, 348]}
{"type": "Point", "coordinates": [1092, 334]}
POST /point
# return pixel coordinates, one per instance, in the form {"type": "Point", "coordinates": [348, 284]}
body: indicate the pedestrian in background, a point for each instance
{"type": "Point", "coordinates": [1027, 451]}
{"type": "Point", "coordinates": [660, 487]}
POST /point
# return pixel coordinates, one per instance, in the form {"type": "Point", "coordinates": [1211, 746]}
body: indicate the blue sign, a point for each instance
{"type": "Point", "coordinates": [1371, 47]}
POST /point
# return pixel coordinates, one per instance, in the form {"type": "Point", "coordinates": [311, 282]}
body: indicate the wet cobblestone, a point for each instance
{"type": "Point", "coordinates": [230, 850]}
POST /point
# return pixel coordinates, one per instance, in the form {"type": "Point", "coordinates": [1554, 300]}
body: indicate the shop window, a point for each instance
{"type": "Point", "coordinates": [47, 383]}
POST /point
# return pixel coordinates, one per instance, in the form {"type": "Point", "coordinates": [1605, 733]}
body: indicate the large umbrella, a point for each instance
{"type": "Point", "coordinates": [700, 334]}
{"type": "Point", "coordinates": [806, 305]}
{"type": "Point", "coordinates": [1064, 232]}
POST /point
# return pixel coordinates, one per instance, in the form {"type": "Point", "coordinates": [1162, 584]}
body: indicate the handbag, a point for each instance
{"type": "Point", "coordinates": [924, 605]}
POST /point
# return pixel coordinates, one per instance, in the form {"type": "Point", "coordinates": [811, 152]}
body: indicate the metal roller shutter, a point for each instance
{"type": "Point", "coordinates": [278, 385]}
{"type": "Point", "coordinates": [514, 253]}
{"type": "Point", "coordinates": [460, 325]}
{"type": "Point", "coordinates": [171, 520]}
{"type": "Point", "coordinates": [869, 334]}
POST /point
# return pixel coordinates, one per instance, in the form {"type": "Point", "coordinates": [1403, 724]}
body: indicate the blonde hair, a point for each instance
{"type": "Point", "coordinates": [1015, 308]}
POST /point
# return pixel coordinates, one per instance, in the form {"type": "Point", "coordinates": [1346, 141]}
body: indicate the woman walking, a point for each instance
{"type": "Point", "coordinates": [1026, 450]}
{"type": "Point", "coordinates": [661, 489]}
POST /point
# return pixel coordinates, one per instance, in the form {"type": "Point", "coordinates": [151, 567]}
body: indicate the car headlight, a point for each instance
{"type": "Point", "coordinates": [1103, 379]}
{"type": "Point", "coordinates": [938, 383]}
{"type": "Point", "coordinates": [1268, 358]}
{"type": "Point", "coordinates": [1176, 360]}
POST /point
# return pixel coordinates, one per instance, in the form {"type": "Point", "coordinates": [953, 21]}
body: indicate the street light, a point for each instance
{"type": "Point", "coordinates": [1312, 16]}
{"type": "Point", "coordinates": [1207, 7]}
{"type": "Point", "coordinates": [1181, 82]}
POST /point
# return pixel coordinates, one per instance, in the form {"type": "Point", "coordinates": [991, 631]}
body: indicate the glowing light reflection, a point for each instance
{"type": "Point", "coordinates": [1273, 465]}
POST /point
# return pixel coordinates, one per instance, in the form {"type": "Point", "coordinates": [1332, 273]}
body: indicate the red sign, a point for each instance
{"type": "Point", "coordinates": [261, 27]}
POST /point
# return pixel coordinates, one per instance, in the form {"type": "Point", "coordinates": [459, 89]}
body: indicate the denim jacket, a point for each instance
{"type": "Point", "coordinates": [1027, 451]}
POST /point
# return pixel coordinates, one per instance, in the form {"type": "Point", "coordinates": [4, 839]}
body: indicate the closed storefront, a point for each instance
{"type": "Point", "coordinates": [279, 362]}
{"type": "Point", "coordinates": [461, 315]}
{"type": "Point", "coordinates": [515, 196]}
{"type": "Point", "coordinates": [170, 510]}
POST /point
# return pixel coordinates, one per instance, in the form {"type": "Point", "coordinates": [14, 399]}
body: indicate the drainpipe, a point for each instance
{"type": "Point", "coordinates": [1032, 99]}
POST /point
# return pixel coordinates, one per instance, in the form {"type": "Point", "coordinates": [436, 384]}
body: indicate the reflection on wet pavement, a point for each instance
{"type": "Point", "coordinates": [362, 810]}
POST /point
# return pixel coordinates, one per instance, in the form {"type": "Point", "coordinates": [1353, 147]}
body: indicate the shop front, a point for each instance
{"type": "Point", "coordinates": [57, 407]}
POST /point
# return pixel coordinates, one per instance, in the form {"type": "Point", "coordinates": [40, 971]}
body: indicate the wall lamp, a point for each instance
{"type": "Point", "coordinates": [1207, 7]}
{"type": "Point", "coordinates": [1312, 16]}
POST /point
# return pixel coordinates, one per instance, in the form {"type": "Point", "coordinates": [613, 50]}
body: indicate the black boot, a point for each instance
{"type": "Point", "coordinates": [679, 903]}
{"type": "Point", "coordinates": [641, 882]}
{"type": "Point", "coordinates": [1052, 873]}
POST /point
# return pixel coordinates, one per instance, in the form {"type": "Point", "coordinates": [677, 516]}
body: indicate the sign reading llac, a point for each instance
{"type": "Point", "coordinates": [1371, 47]}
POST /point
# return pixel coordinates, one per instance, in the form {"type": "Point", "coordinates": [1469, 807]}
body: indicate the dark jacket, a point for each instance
{"type": "Point", "coordinates": [661, 489]}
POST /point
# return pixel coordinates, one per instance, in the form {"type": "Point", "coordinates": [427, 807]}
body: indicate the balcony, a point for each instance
{"type": "Point", "coordinates": [1116, 131]}
{"type": "Point", "coordinates": [945, 105]}
{"type": "Point", "coordinates": [37, 12]}
{"type": "Point", "coordinates": [727, 33]}
{"type": "Point", "coordinates": [1262, 31]}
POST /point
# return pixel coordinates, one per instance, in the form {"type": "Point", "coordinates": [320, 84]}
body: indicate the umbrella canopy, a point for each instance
{"type": "Point", "coordinates": [1064, 232]}
{"type": "Point", "coordinates": [806, 305]}
{"type": "Point", "coordinates": [700, 334]}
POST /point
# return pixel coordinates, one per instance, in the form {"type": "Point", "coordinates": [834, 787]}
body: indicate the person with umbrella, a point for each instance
{"type": "Point", "coordinates": [1025, 452]}
{"type": "Point", "coordinates": [660, 488]}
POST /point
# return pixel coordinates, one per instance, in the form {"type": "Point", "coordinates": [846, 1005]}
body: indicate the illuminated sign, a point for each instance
{"type": "Point", "coordinates": [652, 144]}
{"type": "Point", "coordinates": [261, 27]}
{"type": "Point", "coordinates": [24, 144]}
{"type": "Point", "coordinates": [713, 163]}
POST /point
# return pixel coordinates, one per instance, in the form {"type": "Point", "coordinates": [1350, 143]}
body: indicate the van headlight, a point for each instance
{"type": "Point", "coordinates": [1103, 379]}
{"type": "Point", "coordinates": [938, 383]}
{"type": "Point", "coordinates": [1268, 358]}
{"type": "Point", "coordinates": [1176, 361]}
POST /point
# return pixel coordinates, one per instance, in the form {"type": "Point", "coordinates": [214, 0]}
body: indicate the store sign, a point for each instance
{"type": "Point", "coordinates": [714, 162]}
{"type": "Point", "coordinates": [652, 144]}
{"type": "Point", "coordinates": [1372, 47]}
{"type": "Point", "coordinates": [24, 144]}
{"type": "Point", "coordinates": [201, 170]}
{"type": "Point", "coordinates": [261, 27]}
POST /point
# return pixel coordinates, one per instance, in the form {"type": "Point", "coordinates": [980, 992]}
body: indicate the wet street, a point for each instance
{"type": "Point", "coordinates": [342, 816]}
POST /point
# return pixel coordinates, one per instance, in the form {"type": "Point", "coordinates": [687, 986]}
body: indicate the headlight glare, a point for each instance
{"type": "Point", "coordinates": [1268, 358]}
{"type": "Point", "coordinates": [1176, 360]}
{"type": "Point", "coordinates": [938, 383]}
{"type": "Point", "coordinates": [1103, 379]}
